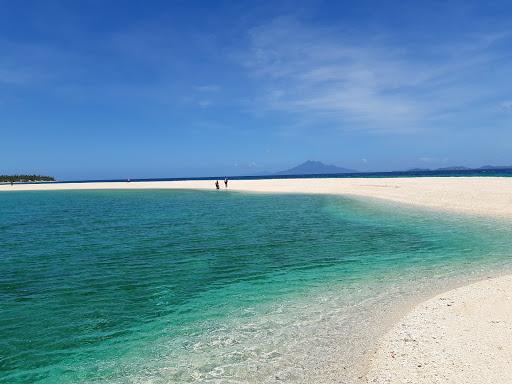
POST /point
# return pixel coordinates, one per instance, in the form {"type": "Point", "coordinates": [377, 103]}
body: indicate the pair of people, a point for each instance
{"type": "Point", "coordinates": [225, 183]}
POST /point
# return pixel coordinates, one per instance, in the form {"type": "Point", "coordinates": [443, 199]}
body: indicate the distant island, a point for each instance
{"type": "Point", "coordinates": [419, 170]}
{"type": "Point", "coordinates": [454, 168]}
{"type": "Point", "coordinates": [496, 167]}
{"type": "Point", "coordinates": [461, 168]}
{"type": "Point", "coordinates": [311, 167]}
{"type": "Point", "coordinates": [314, 167]}
{"type": "Point", "coordinates": [24, 178]}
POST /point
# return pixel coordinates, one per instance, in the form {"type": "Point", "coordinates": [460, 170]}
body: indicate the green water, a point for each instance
{"type": "Point", "coordinates": [182, 286]}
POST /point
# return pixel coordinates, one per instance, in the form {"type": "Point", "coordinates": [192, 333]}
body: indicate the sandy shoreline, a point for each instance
{"type": "Point", "coordinates": [489, 196]}
{"type": "Point", "coordinates": [461, 336]}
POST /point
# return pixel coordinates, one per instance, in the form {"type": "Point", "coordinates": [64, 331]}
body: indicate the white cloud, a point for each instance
{"type": "Point", "coordinates": [320, 73]}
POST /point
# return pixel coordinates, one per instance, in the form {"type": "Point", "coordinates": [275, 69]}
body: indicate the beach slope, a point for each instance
{"type": "Point", "coordinates": [461, 336]}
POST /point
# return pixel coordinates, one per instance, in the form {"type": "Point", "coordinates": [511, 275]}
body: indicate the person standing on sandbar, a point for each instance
{"type": "Point", "coordinates": [217, 184]}
{"type": "Point", "coordinates": [226, 182]}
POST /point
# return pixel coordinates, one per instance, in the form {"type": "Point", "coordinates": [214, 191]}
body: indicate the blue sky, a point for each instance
{"type": "Point", "coordinates": [103, 89]}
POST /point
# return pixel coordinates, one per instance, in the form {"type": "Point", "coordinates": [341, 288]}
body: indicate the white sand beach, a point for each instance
{"type": "Point", "coordinates": [461, 336]}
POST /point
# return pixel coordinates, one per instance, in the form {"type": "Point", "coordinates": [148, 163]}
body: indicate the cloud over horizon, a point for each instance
{"type": "Point", "coordinates": [370, 83]}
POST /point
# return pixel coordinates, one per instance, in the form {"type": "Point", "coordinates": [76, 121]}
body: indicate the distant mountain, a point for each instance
{"type": "Point", "coordinates": [317, 167]}
{"type": "Point", "coordinates": [314, 167]}
{"type": "Point", "coordinates": [496, 167]}
{"type": "Point", "coordinates": [418, 170]}
{"type": "Point", "coordinates": [456, 168]}
{"type": "Point", "coordinates": [461, 168]}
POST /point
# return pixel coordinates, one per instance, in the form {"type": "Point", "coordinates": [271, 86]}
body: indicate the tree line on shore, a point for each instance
{"type": "Point", "coordinates": [24, 178]}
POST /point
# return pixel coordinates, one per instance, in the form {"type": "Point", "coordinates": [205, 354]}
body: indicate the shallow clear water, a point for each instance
{"type": "Point", "coordinates": [186, 286]}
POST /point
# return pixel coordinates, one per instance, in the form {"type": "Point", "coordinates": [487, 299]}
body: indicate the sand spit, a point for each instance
{"type": "Point", "coordinates": [490, 196]}
{"type": "Point", "coordinates": [461, 336]}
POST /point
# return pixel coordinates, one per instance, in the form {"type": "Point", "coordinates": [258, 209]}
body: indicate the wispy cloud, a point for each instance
{"type": "Point", "coordinates": [204, 103]}
{"type": "Point", "coordinates": [23, 64]}
{"type": "Point", "coordinates": [506, 105]}
{"type": "Point", "coordinates": [370, 83]}
{"type": "Point", "coordinates": [204, 95]}
{"type": "Point", "coordinates": [208, 88]}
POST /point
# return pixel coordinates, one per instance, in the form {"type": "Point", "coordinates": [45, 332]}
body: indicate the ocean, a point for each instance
{"type": "Point", "coordinates": [169, 286]}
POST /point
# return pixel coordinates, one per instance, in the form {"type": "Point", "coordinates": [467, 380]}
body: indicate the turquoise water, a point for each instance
{"type": "Point", "coordinates": [185, 286]}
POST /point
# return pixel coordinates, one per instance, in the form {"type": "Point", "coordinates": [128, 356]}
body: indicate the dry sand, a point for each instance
{"type": "Point", "coordinates": [462, 336]}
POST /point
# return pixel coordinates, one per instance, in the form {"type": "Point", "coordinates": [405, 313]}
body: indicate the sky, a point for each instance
{"type": "Point", "coordinates": [142, 89]}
